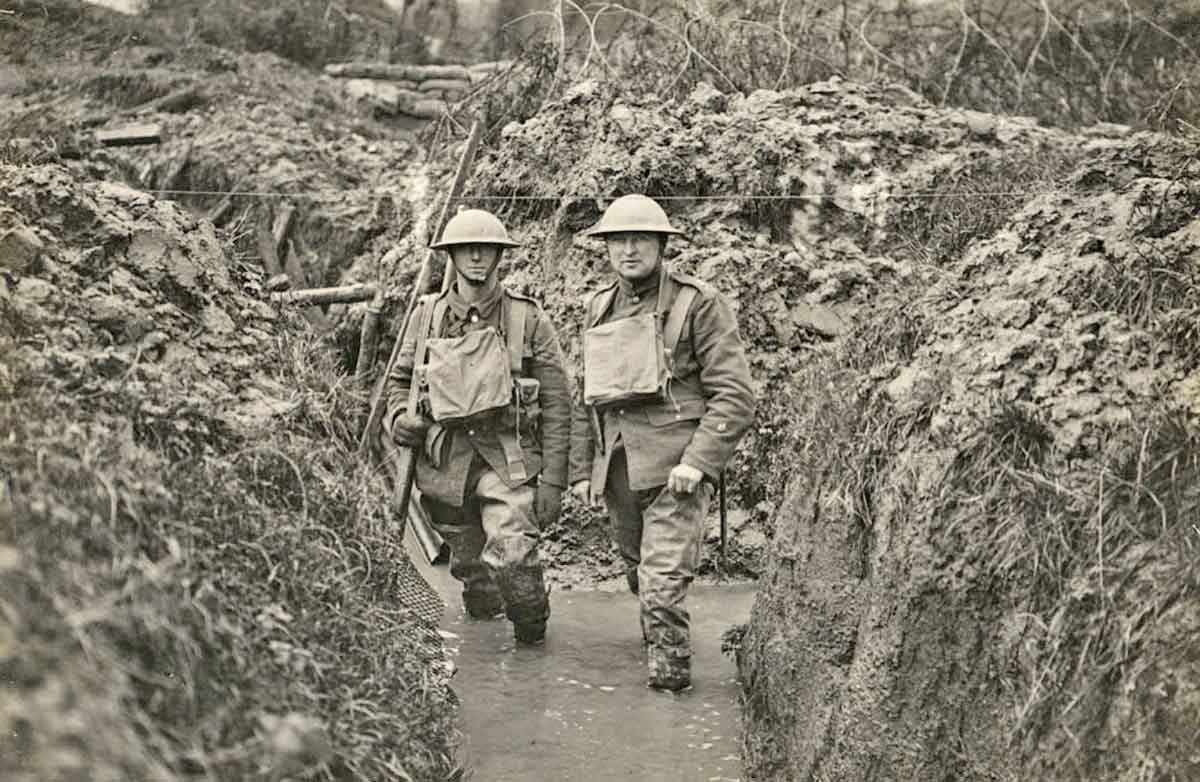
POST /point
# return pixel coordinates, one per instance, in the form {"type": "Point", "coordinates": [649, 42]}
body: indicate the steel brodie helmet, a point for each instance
{"type": "Point", "coordinates": [474, 226]}
{"type": "Point", "coordinates": [633, 213]}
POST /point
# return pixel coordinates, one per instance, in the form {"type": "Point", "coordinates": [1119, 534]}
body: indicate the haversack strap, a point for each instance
{"type": "Point", "coordinates": [515, 313]}
{"type": "Point", "coordinates": [428, 306]}
{"type": "Point", "coordinates": [677, 317]}
{"type": "Point", "coordinates": [599, 305]}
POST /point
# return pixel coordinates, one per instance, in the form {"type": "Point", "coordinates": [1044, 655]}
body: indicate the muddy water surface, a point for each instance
{"type": "Point", "coordinates": [578, 708]}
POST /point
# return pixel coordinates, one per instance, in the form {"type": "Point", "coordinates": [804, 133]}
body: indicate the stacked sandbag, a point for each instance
{"type": "Point", "coordinates": [420, 91]}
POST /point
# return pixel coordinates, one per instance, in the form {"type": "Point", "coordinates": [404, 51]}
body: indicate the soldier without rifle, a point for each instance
{"type": "Point", "coordinates": [667, 397]}
{"type": "Point", "coordinates": [492, 425]}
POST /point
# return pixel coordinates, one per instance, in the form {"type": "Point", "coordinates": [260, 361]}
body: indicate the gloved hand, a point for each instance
{"type": "Point", "coordinates": [548, 504]}
{"type": "Point", "coordinates": [409, 429]}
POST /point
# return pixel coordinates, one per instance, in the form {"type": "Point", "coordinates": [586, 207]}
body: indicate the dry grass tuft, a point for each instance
{"type": "Point", "coordinates": [226, 613]}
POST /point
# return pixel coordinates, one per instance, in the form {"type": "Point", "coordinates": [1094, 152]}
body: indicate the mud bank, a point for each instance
{"type": "Point", "coordinates": [996, 576]}
{"type": "Point", "coordinates": [198, 578]}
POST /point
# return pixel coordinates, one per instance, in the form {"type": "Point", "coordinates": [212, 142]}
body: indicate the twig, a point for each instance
{"type": "Point", "coordinates": [1032, 58]}
{"type": "Point", "coordinates": [699, 56]}
{"type": "Point", "coordinates": [1072, 38]}
{"type": "Point", "coordinates": [1120, 50]}
{"type": "Point", "coordinates": [787, 57]}
{"type": "Point", "coordinates": [988, 37]}
{"type": "Point", "coordinates": [962, 47]}
{"type": "Point", "coordinates": [862, 36]}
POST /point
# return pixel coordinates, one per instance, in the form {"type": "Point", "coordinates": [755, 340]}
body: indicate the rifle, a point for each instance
{"type": "Point", "coordinates": [401, 458]}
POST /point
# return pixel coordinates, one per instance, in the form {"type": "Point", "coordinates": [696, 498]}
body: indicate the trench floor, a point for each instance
{"type": "Point", "coordinates": [578, 708]}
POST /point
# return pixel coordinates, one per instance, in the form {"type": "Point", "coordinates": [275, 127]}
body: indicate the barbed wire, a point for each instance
{"type": "Point", "coordinates": [880, 194]}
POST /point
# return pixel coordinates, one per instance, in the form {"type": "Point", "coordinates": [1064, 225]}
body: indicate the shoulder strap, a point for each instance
{"type": "Point", "coordinates": [429, 309]}
{"type": "Point", "coordinates": [677, 316]}
{"type": "Point", "coordinates": [515, 313]}
{"type": "Point", "coordinates": [685, 294]}
{"type": "Point", "coordinates": [599, 303]}
{"type": "Point", "coordinates": [438, 315]}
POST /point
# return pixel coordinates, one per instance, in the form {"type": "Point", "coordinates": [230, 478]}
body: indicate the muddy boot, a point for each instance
{"type": "Point", "coordinates": [527, 602]}
{"type": "Point", "coordinates": [530, 633]}
{"type": "Point", "coordinates": [668, 669]}
{"type": "Point", "coordinates": [529, 624]}
{"type": "Point", "coordinates": [631, 578]}
{"type": "Point", "coordinates": [483, 605]}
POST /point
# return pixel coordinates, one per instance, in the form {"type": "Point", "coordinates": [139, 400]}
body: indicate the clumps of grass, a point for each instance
{"type": "Point", "coordinates": [840, 423]}
{"type": "Point", "coordinates": [228, 614]}
{"type": "Point", "coordinates": [1097, 561]}
{"type": "Point", "coordinates": [974, 202]}
{"type": "Point", "coordinates": [1149, 279]}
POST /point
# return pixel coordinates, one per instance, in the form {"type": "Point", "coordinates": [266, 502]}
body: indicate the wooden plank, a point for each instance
{"type": "Point", "coordinates": [130, 135]}
{"type": "Point", "coordinates": [397, 71]}
{"type": "Point", "coordinates": [175, 102]}
{"type": "Point", "coordinates": [312, 297]}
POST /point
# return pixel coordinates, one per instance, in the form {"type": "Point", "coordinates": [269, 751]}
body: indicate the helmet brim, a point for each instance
{"type": "Point", "coordinates": [445, 245]}
{"type": "Point", "coordinates": [599, 230]}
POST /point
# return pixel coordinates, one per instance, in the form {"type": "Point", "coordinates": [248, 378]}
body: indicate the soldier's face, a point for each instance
{"type": "Point", "coordinates": [475, 262]}
{"type": "Point", "coordinates": [634, 255]}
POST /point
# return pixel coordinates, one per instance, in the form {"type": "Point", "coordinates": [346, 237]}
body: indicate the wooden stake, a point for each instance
{"type": "Point", "coordinates": [217, 215]}
{"type": "Point", "coordinates": [169, 180]}
{"type": "Point", "coordinates": [267, 250]}
{"type": "Point", "coordinates": [368, 338]}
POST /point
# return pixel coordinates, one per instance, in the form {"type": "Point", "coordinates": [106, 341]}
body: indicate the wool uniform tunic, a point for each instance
{"type": "Point", "coordinates": [484, 513]}
{"type": "Point", "coordinates": [627, 451]}
{"type": "Point", "coordinates": [454, 448]}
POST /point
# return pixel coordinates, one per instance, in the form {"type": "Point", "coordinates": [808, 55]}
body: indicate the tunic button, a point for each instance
{"type": "Point", "coordinates": [621, 411]}
{"type": "Point", "coordinates": [636, 299]}
{"type": "Point", "coordinates": [470, 432]}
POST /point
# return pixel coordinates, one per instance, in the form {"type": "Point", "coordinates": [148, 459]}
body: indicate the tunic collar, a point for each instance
{"type": "Point", "coordinates": [484, 307]}
{"type": "Point", "coordinates": [643, 287]}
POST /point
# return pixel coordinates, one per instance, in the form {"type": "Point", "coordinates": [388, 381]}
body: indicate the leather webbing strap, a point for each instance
{"type": "Point", "coordinates": [428, 306]}
{"type": "Point", "coordinates": [514, 332]}
{"type": "Point", "coordinates": [675, 320]}
{"type": "Point", "coordinates": [513, 317]}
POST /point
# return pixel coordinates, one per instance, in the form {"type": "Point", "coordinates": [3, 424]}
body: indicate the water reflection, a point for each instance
{"type": "Point", "coordinates": [578, 708]}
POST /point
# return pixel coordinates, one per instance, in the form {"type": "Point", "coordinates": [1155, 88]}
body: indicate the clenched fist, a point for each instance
{"type": "Point", "coordinates": [684, 479]}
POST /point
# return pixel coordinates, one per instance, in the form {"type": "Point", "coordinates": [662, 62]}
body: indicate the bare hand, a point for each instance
{"type": "Point", "coordinates": [583, 492]}
{"type": "Point", "coordinates": [684, 479]}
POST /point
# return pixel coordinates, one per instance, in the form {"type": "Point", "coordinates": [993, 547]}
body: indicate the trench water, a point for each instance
{"type": "Point", "coordinates": [578, 707]}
